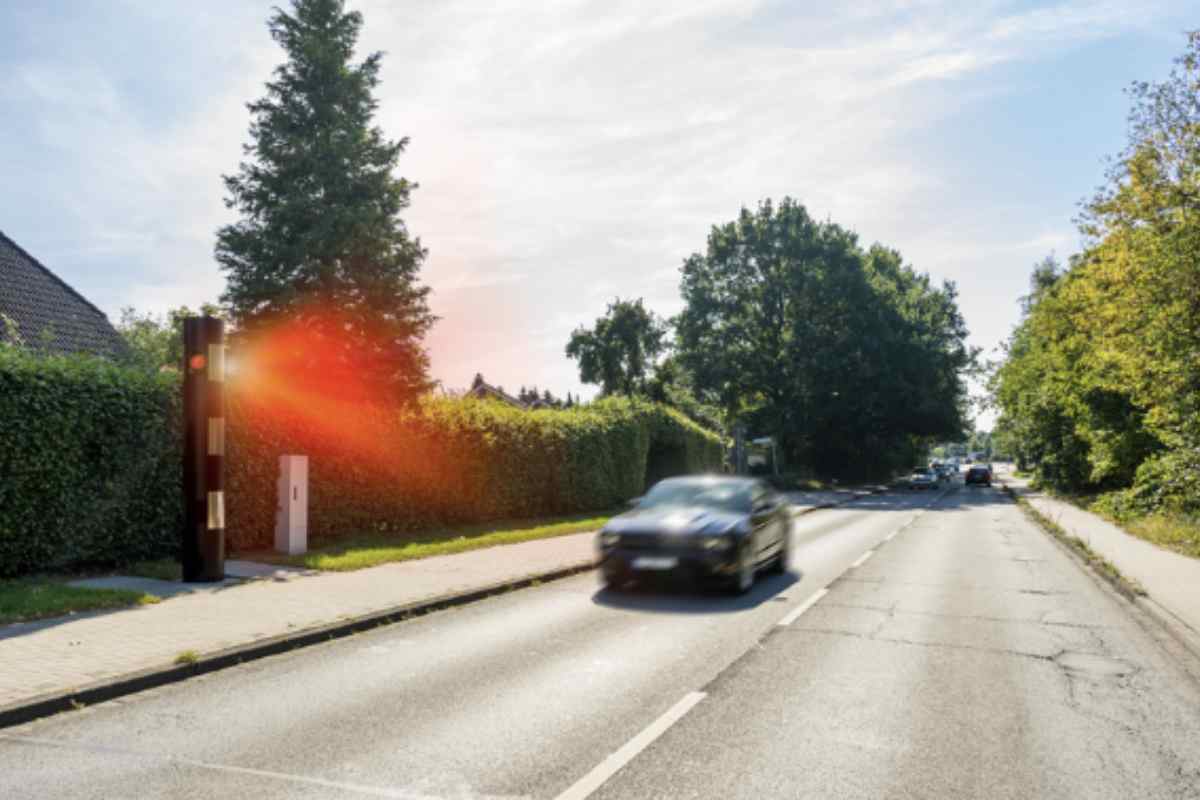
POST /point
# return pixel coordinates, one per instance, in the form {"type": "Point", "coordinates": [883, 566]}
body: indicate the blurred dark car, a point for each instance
{"type": "Point", "coordinates": [978, 474]}
{"type": "Point", "coordinates": [704, 527]}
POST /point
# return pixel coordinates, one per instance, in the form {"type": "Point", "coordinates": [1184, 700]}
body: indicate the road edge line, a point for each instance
{"type": "Point", "coordinates": [615, 762]}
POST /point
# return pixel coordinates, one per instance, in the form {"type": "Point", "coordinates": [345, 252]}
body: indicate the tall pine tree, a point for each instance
{"type": "Point", "coordinates": [320, 243]}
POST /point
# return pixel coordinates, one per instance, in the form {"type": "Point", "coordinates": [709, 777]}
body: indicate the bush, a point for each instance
{"type": "Point", "coordinates": [1168, 482]}
{"type": "Point", "coordinates": [451, 461]}
{"type": "Point", "coordinates": [89, 462]}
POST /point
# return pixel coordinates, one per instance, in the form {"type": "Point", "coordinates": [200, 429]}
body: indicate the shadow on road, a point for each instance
{"type": "Point", "coordinates": [677, 596]}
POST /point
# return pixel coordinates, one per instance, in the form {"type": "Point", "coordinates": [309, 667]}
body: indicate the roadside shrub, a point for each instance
{"type": "Point", "coordinates": [449, 461]}
{"type": "Point", "coordinates": [89, 462]}
{"type": "Point", "coordinates": [1168, 482]}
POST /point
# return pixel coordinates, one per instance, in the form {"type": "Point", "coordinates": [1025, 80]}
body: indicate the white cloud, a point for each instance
{"type": "Point", "coordinates": [567, 152]}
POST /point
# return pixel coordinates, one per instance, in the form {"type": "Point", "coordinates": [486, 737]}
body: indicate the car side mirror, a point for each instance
{"type": "Point", "coordinates": [633, 502]}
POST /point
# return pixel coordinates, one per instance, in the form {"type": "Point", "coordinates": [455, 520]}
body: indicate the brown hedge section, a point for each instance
{"type": "Point", "coordinates": [90, 463]}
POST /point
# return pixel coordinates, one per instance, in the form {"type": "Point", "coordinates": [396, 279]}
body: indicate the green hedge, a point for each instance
{"type": "Point", "coordinates": [452, 461]}
{"type": "Point", "coordinates": [89, 463]}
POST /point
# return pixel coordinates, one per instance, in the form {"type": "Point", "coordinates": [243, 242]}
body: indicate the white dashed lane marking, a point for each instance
{"type": "Point", "coordinates": [613, 764]}
{"type": "Point", "coordinates": [795, 613]}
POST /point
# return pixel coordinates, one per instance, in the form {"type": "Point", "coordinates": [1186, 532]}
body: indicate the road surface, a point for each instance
{"type": "Point", "coordinates": [924, 645]}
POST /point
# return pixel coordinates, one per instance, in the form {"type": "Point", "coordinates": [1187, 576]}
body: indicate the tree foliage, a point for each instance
{"type": "Point", "coordinates": [1101, 385]}
{"type": "Point", "coordinates": [320, 239]}
{"type": "Point", "coordinates": [620, 350]}
{"type": "Point", "coordinates": [850, 356]}
{"type": "Point", "coordinates": [156, 341]}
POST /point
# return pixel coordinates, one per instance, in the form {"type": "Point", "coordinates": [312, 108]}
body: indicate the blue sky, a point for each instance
{"type": "Point", "coordinates": [572, 152]}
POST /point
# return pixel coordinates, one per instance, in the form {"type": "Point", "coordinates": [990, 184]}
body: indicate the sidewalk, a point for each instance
{"type": "Point", "coordinates": [49, 661]}
{"type": "Point", "coordinates": [68, 654]}
{"type": "Point", "coordinates": [1171, 580]}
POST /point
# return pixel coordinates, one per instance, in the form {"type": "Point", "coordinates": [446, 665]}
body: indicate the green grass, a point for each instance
{"type": "Point", "coordinates": [363, 551]}
{"type": "Point", "coordinates": [1177, 532]}
{"type": "Point", "coordinates": [27, 599]}
{"type": "Point", "coordinates": [187, 657]}
{"type": "Point", "coordinates": [164, 569]}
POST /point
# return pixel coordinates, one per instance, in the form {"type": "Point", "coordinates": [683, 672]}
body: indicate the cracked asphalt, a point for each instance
{"type": "Point", "coordinates": [968, 656]}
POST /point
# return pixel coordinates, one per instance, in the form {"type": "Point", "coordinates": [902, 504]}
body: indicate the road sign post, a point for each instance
{"type": "Point", "coordinates": [203, 546]}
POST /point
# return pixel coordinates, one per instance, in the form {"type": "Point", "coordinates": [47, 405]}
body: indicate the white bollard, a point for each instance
{"type": "Point", "coordinates": [291, 515]}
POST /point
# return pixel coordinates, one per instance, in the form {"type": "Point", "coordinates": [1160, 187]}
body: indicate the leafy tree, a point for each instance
{"type": "Point", "coordinates": [320, 241]}
{"type": "Point", "coordinates": [852, 358]}
{"type": "Point", "coordinates": [1101, 385]}
{"type": "Point", "coordinates": [156, 341]}
{"type": "Point", "coordinates": [619, 352]}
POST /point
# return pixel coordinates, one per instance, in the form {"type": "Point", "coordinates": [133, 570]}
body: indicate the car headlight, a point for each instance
{"type": "Point", "coordinates": [609, 539]}
{"type": "Point", "coordinates": [716, 542]}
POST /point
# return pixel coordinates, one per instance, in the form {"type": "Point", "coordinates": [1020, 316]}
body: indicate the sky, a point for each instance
{"type": "Point", "coordinates": [570, 153]}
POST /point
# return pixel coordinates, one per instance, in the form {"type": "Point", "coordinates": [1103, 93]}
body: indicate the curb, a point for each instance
{"type": "Point", "coordinates": [55, 702]}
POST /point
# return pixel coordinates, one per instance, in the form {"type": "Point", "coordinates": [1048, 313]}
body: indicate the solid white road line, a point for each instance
{"type": "Point", "coordinates": [892, 535]}
{"type": "Point", "coordinates": [795, 613]}
{"type": "Point", "coordinates": [613, 764]}
{"type": "Point", "coordinates": [862, 559]}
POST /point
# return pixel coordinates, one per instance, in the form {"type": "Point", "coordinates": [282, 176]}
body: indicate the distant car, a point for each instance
{"type": "Point", "coordinates": [705, 527]}
{"type": "Point", "coordinates": [979, 474]}
{"type": "Point", "coordinates": [945, 471]}
{"type": "Point", "coordinates": [922, 478]}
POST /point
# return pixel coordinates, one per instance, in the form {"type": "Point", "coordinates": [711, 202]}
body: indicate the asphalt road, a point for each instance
{"type": "Point", "coordinates": [965, 655]}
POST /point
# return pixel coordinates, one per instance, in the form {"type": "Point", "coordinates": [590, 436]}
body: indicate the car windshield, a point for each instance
{"type": "Point", "coordinates": [723, 495]}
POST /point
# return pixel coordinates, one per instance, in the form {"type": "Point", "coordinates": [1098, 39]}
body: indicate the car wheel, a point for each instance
{"type": "Point", "coordinates": [780, 565]}
{"type": "Point", "coordinates": [614, 582]}
{"type": "Point", "coordinates": [745, 574]}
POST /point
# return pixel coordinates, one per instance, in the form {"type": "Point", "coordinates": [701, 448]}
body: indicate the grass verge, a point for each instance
{"type": "Point", "coordinates": [164, 569]}
{"type": "Point", "coordinates": [1105, 568]}
{"type": "Point", "coordinates": [1177, 532]}
{"type": "Point", "coordinates": [187, 657]}
{"type": "Point", "coordinates": [372, 550]}
{"type": "Point", "coordinates": [27, 599]}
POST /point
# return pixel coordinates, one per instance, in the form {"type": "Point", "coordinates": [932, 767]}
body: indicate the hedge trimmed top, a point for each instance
{"type": "Point", "coordinates": [90, 467]}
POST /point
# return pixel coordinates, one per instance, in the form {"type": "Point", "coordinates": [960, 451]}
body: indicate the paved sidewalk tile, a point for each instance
{"type": "Point", "coordinates": [68, 653]}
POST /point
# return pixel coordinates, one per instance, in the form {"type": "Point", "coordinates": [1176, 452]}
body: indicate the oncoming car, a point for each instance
{"type": "Point", "coordinates": [922, 478]}
{"type": "Point", "coordinates": [704, 527]}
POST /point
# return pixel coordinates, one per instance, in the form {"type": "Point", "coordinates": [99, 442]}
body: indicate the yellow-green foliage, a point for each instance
{"type": "Point", "coordinates": [451, 461]}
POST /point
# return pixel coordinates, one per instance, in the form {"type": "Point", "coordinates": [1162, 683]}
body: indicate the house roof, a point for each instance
{"type": "Point", "coordinates": [482, 389]}
{"type": "Point", "coordinates": [50, 314]}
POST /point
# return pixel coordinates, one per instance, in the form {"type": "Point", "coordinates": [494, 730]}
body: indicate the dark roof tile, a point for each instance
{"type": "Point", "coordinates": [37, 300]}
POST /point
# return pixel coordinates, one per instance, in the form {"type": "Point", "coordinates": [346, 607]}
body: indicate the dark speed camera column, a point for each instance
{"type": "Point", "coordinates": [203, 546]}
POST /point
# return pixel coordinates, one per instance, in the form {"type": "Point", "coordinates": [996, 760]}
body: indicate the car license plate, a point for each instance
{"type": "Point", "coordinates": [655, 562]}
